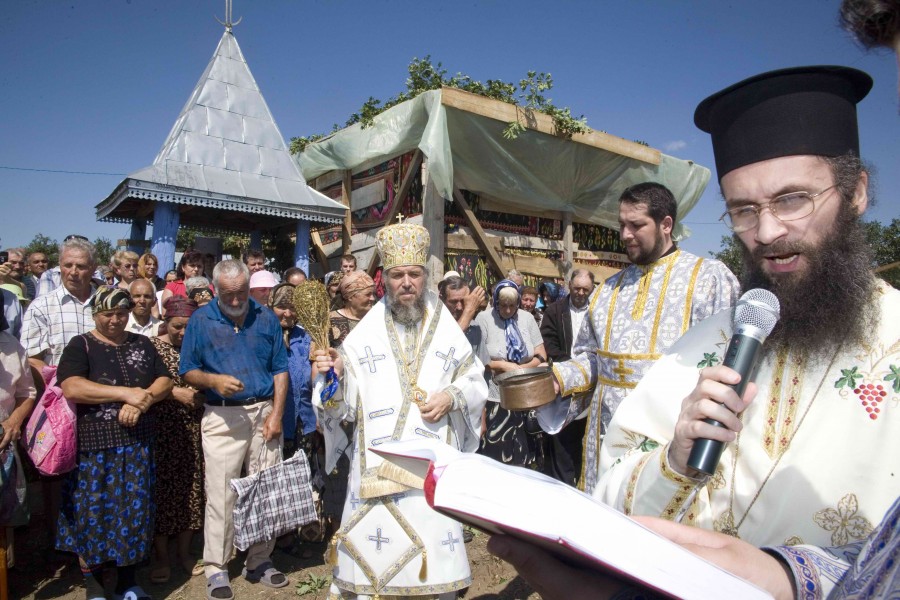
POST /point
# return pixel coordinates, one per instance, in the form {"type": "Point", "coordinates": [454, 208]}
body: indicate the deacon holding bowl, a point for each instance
{"type": "Point", "coordinates": [405, 372]}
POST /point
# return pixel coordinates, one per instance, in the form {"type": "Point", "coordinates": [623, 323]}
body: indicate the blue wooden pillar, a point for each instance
{"type": "Point", "coordinates": [301, 249]}
{"type": "Point", "coordinates": [256, 239]}
{"type": "Point", "coordinates": [166, 219]}
{"type": "Point", "coordinates": [138, 233]}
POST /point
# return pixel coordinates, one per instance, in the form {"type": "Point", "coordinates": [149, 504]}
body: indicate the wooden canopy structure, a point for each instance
{"type": "Point", "coordinates": [541, 203]}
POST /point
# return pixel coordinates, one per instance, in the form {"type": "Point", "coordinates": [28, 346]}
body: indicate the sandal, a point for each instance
{"type": "Point", "coordinates": [191, 567]}
{"type": "Point", "coordinates": [160, 574]}
{"type": "Point", "coordinates": [135, 593]}
{"type": "Point", "coordinates": [218, 587]}
{"type": "Point", "coordinates": [266, 574]}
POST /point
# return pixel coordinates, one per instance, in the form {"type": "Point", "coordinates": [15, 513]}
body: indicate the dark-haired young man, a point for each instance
{"type": "Point", "coordinates": [634, 317]}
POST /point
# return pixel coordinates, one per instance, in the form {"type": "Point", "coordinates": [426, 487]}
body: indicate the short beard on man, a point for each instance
{"type": "Point", "coordinates": [651, 256]}
{"type": "Point", "coordinates": [406, 314]}
{"type": "Point", "coordinates": [831, 303]}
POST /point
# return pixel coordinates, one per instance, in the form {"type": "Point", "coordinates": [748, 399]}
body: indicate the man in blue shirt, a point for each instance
{"type": "Point", "coordinates": [234, 351]}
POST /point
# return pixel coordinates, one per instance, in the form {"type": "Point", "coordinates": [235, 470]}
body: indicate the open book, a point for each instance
{"type": "Point", "coordinates": [498, 498]}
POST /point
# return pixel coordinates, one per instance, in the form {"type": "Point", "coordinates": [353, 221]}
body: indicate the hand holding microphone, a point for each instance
{"type": "Point", "coordinates": [708, 418]}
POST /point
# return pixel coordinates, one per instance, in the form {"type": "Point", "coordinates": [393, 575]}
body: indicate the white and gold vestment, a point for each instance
{"type": "Point", "coordinates": [817, 461]}
{"type": "Point", "coordinates": [634, 317]}
{"type": "Point", "coordinates": [390, 542]}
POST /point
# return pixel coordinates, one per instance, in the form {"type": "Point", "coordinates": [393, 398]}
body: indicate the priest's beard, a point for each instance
{"type": "Point", "coordinates": [407, 314]}
{"type": "Point", "coordinates": [829, 304]}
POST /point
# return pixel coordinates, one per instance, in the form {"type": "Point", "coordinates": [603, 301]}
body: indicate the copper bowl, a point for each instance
{"type": "Point", "coordinates": [524, 389]}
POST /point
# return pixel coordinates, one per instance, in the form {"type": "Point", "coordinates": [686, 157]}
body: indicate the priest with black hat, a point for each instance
{"type": "Point", "coordinates": [813, 446]}
{"type": "Point", "coordinates": [809, 469]}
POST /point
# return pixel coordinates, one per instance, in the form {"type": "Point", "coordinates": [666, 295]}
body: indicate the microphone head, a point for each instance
{"type": "Point", "coordinates": [759, 308]}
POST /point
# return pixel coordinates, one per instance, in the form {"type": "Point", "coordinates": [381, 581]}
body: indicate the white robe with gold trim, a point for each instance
{"type": "Point", "coordinates": [831, 439]}
{"type": "Point", "coordinates": [634, 317]}
{"type": "Point", "coordinates": [388, 532]}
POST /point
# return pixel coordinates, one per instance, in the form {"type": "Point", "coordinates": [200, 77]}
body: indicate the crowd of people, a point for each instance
{"type": "Point", "coordinates": [185, 382]}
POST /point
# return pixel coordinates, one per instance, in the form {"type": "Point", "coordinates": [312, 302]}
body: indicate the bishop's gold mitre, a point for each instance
{"type": "Point", "coordinates": [402, 244]}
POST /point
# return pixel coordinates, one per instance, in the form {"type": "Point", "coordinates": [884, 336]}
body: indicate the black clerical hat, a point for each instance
{"type": "Point", "coordinates": [803, 110]}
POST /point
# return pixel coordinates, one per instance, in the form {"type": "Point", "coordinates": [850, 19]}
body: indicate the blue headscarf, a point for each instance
{"type": "Point", "coordinates": [515, 345]}
{"type": "Point", "coordinates": [552, 289]}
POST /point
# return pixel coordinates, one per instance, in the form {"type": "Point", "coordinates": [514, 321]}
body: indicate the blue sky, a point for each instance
{"type": "Point", "coordinates": [95, 86]}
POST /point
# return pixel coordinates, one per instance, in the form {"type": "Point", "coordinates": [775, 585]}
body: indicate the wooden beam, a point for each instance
{"type": "Point", "coordinates": [433, 221]}
{"type": "Point", "coordinates": [347, 228]}
{"type": "Point", "coordinates": [399, 199]}
{"type": "Point", "coordinates": [466, 243]}
{"type": "Point", "coordinates": [493, 258]}
{"type": "Point", "coordinates": [569, 255]}
{"type": "Point", "coordinates": [321, 257]}
{"type": "Point", "coordinates": [538, 121]}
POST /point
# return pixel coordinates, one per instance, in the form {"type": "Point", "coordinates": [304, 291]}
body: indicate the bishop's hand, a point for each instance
{"type": "Point", "coordinates": [436, 407]}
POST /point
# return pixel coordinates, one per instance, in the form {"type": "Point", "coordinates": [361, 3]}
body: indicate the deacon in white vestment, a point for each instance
{"type": "Point", "coordinates": [634, 317]}
{"type": "Point", "coordinates": [405, 371]}
{"type": "Point", "coordinates": [813, 458]}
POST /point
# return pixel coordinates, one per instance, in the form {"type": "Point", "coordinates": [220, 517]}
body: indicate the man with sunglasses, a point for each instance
{"type": "Point", "coordinates": [812, 447]}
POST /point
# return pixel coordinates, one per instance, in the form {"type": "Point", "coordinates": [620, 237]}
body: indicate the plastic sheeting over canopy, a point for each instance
{"type": "Point", "coordinates": [533, 173]}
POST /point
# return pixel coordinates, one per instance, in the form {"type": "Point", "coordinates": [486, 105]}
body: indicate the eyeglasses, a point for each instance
{"type": "Point", "coordinates": [69, 238]}
{"type": "Point", "coordinates": [129, 266]}
{"type": "Point", "coordinates": [786, 207]}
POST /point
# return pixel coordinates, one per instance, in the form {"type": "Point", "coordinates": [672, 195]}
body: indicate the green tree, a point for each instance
{"type": "Point", "coordinates": [885, 243]}
{"type": "Point", "coordinates": [49, 246]}
{"type": "Point", "coordinates": [731, 255]}
{"type": "Point", "coordinates": [103, 250]}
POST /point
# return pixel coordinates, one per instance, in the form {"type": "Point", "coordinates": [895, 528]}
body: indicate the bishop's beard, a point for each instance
{"type": "Point", "coordinates": [406, 314]}
{"type": "Point", "coordinates": [832, 302]}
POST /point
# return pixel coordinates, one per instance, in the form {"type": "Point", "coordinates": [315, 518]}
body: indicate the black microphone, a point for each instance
{"type": "Point", "coordinates": [754, 319]}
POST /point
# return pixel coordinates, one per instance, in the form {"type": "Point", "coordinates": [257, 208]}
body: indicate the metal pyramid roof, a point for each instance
{"type": "Point", "coordinates": [224, 152]}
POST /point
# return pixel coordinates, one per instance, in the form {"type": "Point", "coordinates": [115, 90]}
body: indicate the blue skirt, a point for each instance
{"type": "Point", "coordinates": [107, 506]}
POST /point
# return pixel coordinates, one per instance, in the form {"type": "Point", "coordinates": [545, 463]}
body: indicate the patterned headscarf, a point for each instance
{"type": "Point", "coordinates": [353, 282]}
{"type": "Point", "coordinates": [111, 298]}
{"type": "Point", "coordinates": [179, 306]}
{"type": "Point", "coordinates": [282, 295]}
{"type": "Point", "coordinates": [330, 277]}
{"type": "Point", "coordinates": [515, 344]}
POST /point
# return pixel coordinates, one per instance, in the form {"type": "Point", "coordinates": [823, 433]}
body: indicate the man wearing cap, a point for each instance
{"type": "Point", "coordinates": [233, 349]}
{"type": "Point", "coordinates": [406, 372]}
{"type": "Point", "coordinates": [812, 447]}
{"type": "Point", "coordinates": [633, 319]}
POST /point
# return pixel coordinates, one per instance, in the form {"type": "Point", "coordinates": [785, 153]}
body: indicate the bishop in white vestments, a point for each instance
{"type": "Point", "coordinates": [405, 371]}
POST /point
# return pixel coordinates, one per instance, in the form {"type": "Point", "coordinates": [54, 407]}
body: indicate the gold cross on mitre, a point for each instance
{"type": "Point", "coordinates": [399, 219]}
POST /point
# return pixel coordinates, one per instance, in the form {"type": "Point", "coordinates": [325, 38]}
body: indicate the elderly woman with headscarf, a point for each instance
{"type": "Point", "coordinates": [356, 291]}
{"type": "Point", "coordinates": [299, 420]}
{"type": "Point", "coordinates": [513, 341]}
{"type": "Point", "coordinates": [298, 423]}
{"type": "Point", "coordinates": [180, 497]}
{"type": "Point", "coordinates": [113, 377]}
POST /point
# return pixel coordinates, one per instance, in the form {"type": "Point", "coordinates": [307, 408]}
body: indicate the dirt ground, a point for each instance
{"type": "Point", "coordinates": [42, 574]}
